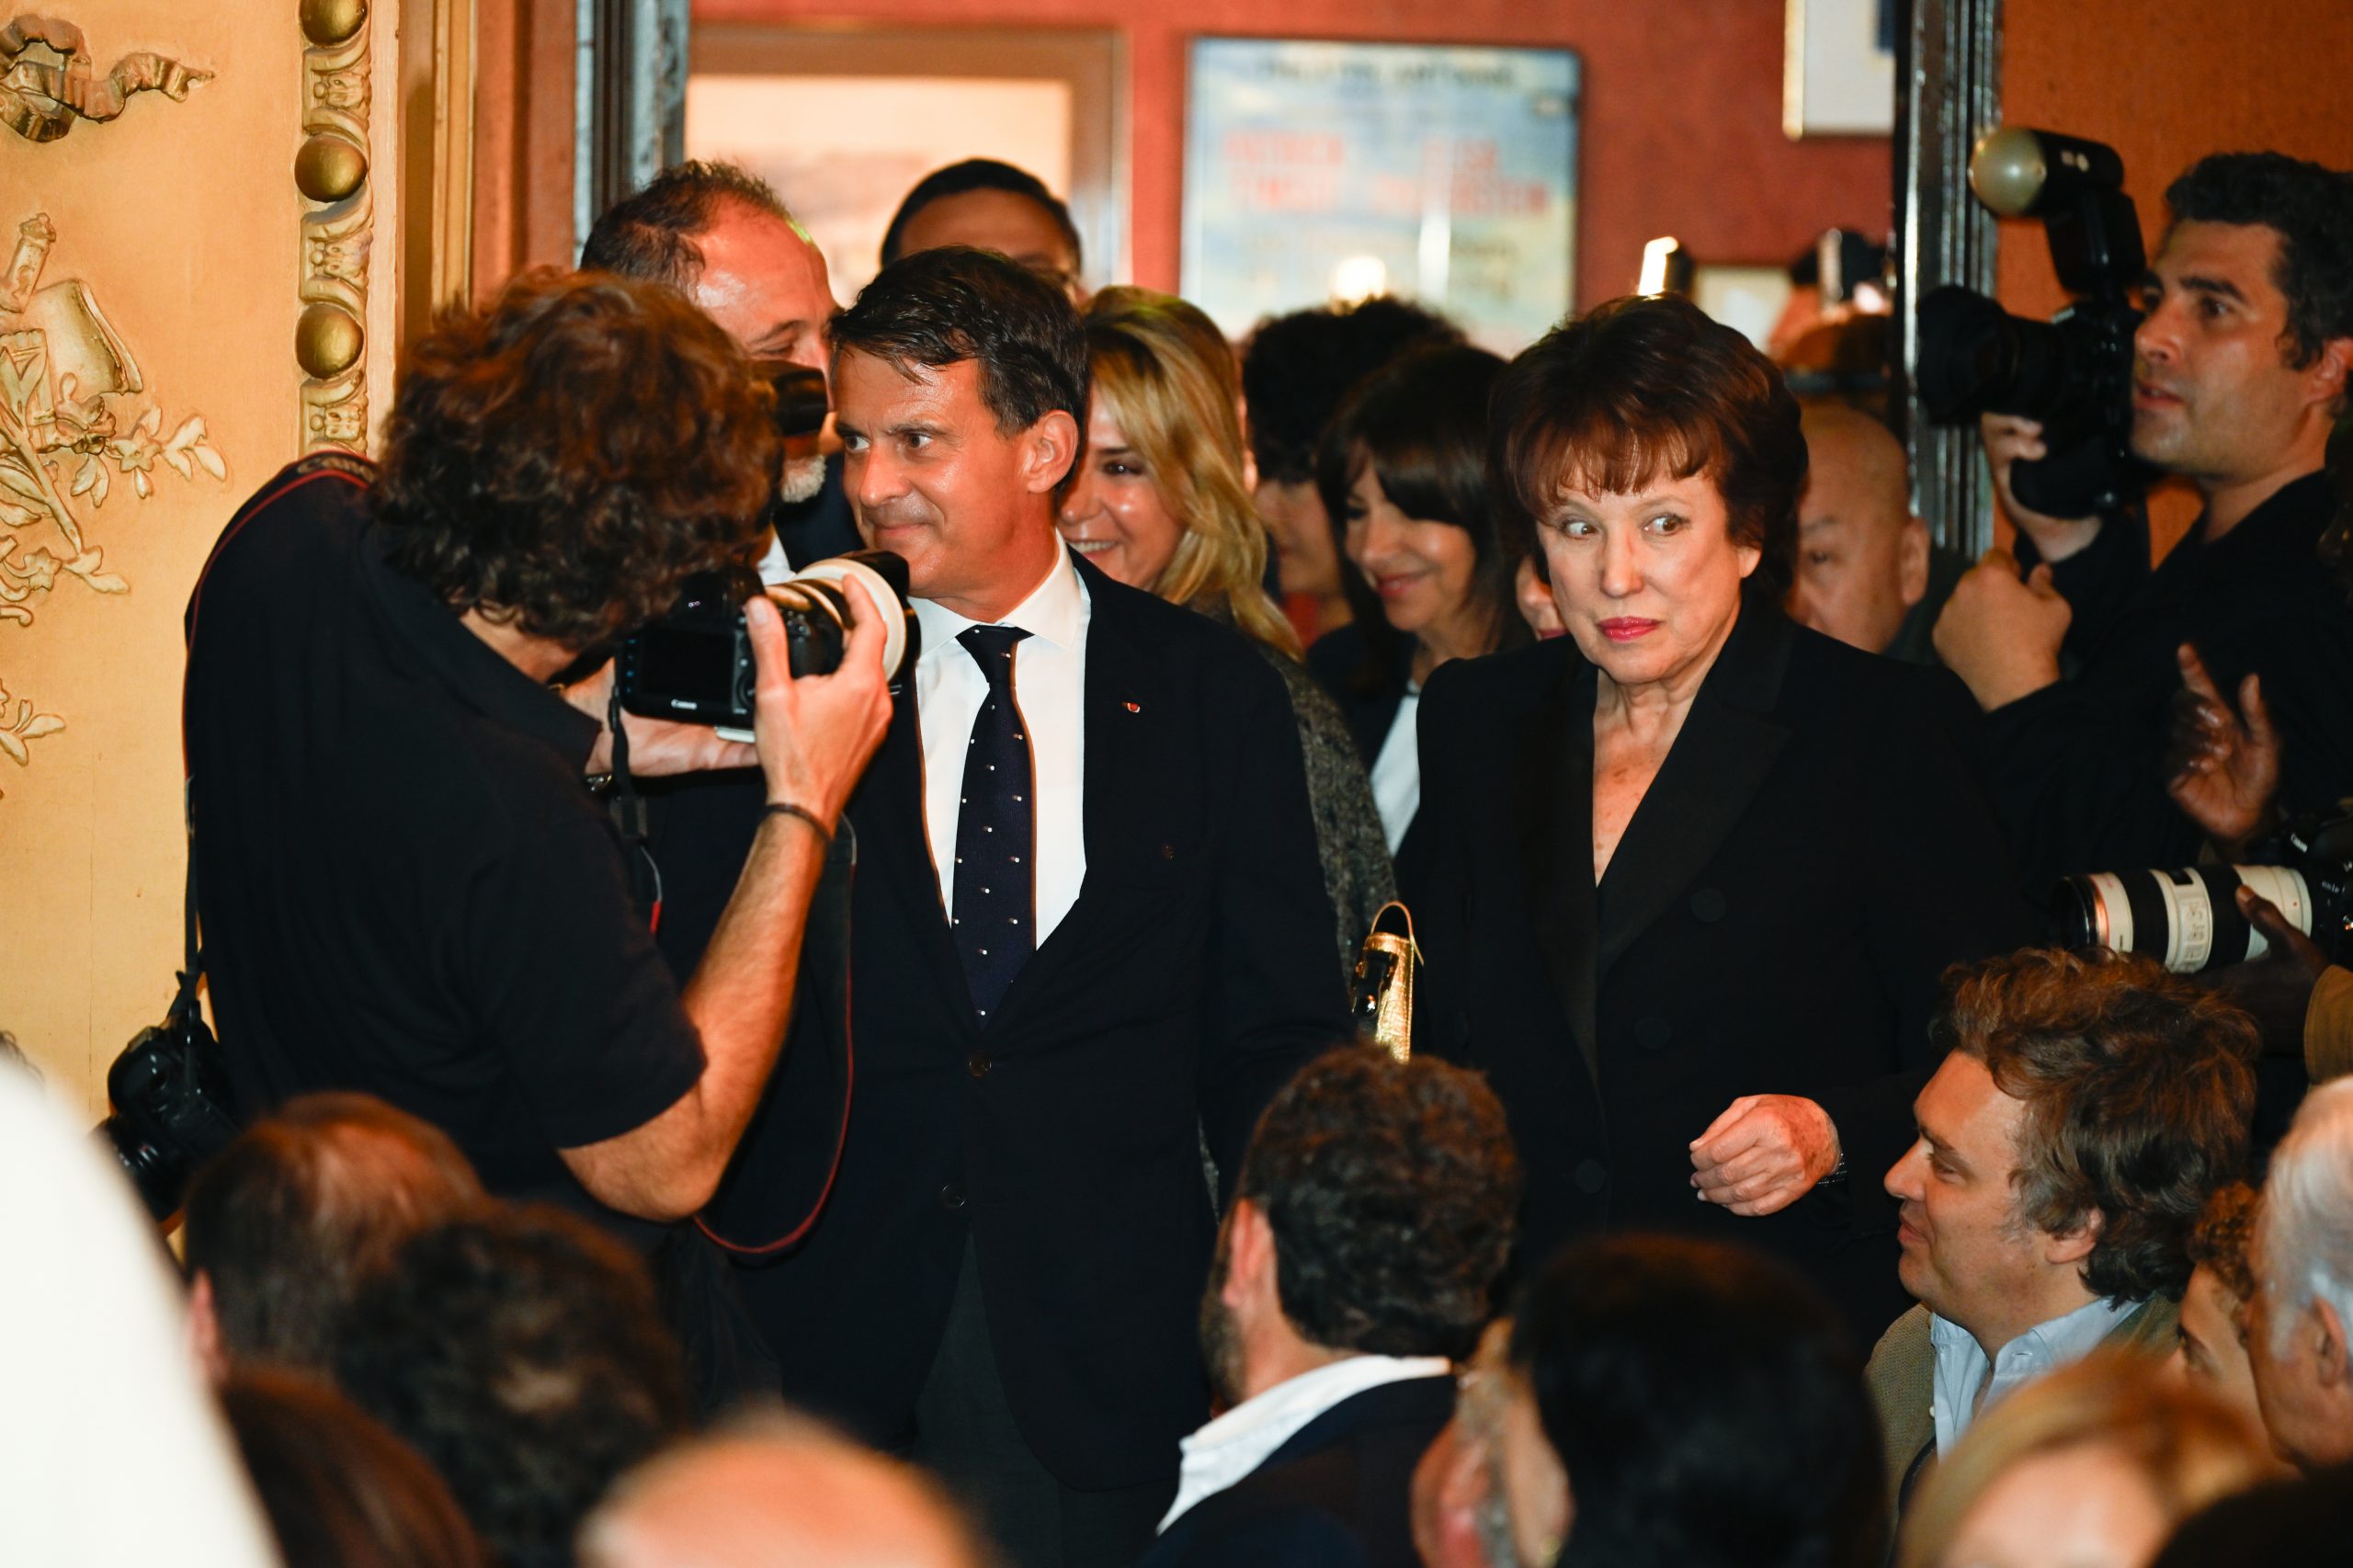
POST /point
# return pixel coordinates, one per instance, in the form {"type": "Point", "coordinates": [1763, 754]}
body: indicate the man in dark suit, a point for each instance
{"type": "Point", "coordinates": [1369, 1224]}
{"type": "Point", "coordinates": [1087, 932]}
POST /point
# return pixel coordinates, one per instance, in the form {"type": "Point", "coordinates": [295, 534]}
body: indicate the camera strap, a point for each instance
{"type": "Point", "coordinates": [632, 820]}
{"type": "Point", "coordinates": [831, 910]}
{"type": "Point", "coordinates": [184, 1004]}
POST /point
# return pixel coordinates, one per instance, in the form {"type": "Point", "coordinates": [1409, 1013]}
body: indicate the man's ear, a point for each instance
{"type": "Point", "coordinates": [1250, 1253]}
{"type": "Point", "coordinates": [204, 1329]}
{"type": "Point", "coordinates": [2325, 378]}
{"type": "Point", "coordinates": [1049, 450]}
{"type": "Point", "coordinates": [2076, 1244]}
{"type": "Point", "coordinates": [1912, 563]}
{"type": "Point", "coordinates": [2330, 1353]}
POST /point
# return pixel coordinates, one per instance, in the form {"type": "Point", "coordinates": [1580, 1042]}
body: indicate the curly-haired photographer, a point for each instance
{"type": "Point", "coordinates": [2239, 369]}
{"type": "Point", "coordinates": [1369, 1222]}
{"type": "Point", "coordinates": [406, 886]}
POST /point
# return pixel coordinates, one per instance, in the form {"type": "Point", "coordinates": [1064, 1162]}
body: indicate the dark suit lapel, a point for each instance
{"type": "Point", "coordinates": [1555, 807]}
{"type": "Point", "coordinates": [1125, 713]}
{"type": "Point", "coordinates": [893, 847]}
{"type": "Point", "coordinates": [1728, 745]}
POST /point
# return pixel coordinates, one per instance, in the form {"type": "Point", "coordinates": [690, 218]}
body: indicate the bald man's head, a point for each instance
{"type": "Point", "coordinates": [776, 1492]}
{"type": "Point", "coordinates": [1862, 556]}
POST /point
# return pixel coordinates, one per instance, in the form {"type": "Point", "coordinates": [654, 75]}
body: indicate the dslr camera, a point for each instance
{"type": "Point", "coordinates": [2074, 374]}
{"type": "Point", "coordinates": [695, 663]}
{"type": "Point", "coordinates": [171, 1097]}
{"type": "Point", "coordinates": [2189, 920]}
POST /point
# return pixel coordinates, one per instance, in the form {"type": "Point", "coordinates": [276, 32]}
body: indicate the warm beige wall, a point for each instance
{"type": "Point", "coordinates": [183, 225]}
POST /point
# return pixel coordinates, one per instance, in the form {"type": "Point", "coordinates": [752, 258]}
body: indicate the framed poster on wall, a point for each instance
{"type": "Point", "coordinates": [1838, 68]}
{"type": "Point", "coordinates": [842, 121]}
{"type": "Point", "coordinates": [1318, 171]}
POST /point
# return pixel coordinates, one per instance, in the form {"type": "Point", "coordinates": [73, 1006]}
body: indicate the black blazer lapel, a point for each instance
{"type": "Point", "coordinates": [1125, 714]}
{"type": "Point", "coordinates": [1728, 745]}
{"type": "Point", "coordinates": [892, 846]}
{"type": "Point", "coordinates": [1555, 806]}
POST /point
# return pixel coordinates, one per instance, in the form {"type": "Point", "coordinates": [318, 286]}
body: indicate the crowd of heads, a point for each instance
{"type": "Point", "coordinates": [414, 1372]}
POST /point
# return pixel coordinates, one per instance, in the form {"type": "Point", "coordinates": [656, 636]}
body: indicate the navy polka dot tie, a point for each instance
{"type": "Point", "coordinates": [996, 907]}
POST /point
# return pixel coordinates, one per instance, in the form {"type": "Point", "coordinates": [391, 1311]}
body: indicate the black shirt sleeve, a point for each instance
{"type": "Point", "coordinates": [2098, 582]}
{"type": "Point", "coordinates": [571, 987]}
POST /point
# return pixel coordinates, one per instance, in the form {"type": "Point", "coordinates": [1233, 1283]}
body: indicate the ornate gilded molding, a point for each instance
{"type": "Point", "coordinates": [331, 338]}
{"type": "Point", "coordinates": [46, 83]}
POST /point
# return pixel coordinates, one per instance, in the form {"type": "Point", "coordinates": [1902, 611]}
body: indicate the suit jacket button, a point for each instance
{"type": "Point", "coordinates": [1708, 906]}
{"type": "Point", "coordinates": [977, 1065]}
{"type": "Point", "coordinates": [1591, 1177]}
{"type": "Point", "coordinates": [1652, 1032]}
{"type": "Point", "coordinates": [951, 1196]}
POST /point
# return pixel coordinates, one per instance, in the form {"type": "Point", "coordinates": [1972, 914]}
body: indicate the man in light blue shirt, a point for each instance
{"type": "Point", "coordinates": [2084, 1110]}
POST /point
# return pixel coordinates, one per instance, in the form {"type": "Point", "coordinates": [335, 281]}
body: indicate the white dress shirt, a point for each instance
{"type": "Point", "coordinates": [1241, 1439]}
{"type": "Point", "coordinates": [1961, 1369]}
{"type": "Point", "coordinates": [775, 565]}
{"type": "Point", "coordinates": [1397, 771]}
{"type": "Point", "coordinates": [1049, 687]}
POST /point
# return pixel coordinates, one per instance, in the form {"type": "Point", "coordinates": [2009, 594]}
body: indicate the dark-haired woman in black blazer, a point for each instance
{"type": "Point", "coordinates": [1402, 469]}
{"type": "Point", "coordinates": [1692, 872]}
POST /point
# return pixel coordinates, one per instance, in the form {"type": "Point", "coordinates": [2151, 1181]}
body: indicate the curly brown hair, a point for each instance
{"type": "Point", "coordinates": [562, 459]}
{"type": "Point", "coordinates": [2139, 1087]}
{"type": "Point", "coordinates": [2222, 1242]}
{"type": "Point", "coordinates": [1393, 1190]}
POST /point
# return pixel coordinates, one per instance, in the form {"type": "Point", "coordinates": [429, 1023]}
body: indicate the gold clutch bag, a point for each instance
{"type": "Point", "coordinates": [1382, 997]}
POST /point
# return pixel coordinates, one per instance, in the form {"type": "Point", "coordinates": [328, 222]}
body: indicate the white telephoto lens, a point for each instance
{"type": "Point", "coordinates": [2287, 890]}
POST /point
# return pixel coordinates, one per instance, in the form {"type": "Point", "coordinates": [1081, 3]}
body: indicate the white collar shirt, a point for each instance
{"type": "Point", "coordinates": [1244, 1438]}
{"type": "Point", "coordinates": [1049, 690]}
{"type": "Point", "coordinates": [1962, 1370]}
{"type": "Point", "coordinates": [775, 565]}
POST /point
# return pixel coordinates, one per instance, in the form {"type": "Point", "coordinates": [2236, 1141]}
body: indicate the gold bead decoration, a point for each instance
{"type": "Point", "coordinates": [328, 341]}
{"type": "Point", "coordinates": [332, 21]}
{"type": "Point", "coordinates": [329, 167]}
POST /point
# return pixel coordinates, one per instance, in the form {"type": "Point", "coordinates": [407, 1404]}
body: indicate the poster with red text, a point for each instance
{"type": "Point", "coordinates": [1320, 172]}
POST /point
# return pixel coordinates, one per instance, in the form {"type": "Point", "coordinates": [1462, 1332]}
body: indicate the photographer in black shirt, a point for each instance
{"type": "Point", "coordinates": [2239, 369]}
{"type": "Point", "coordinates": [406, 885]}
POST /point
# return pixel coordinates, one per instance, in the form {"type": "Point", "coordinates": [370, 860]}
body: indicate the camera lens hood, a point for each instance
{"type": "Point", "coordinates": [840, 570]}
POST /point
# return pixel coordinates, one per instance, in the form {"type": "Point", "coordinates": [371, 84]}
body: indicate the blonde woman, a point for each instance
{"type": "Point", "coordinates": [1159, 503]}
{"type": "Point", "coordinates": [2090, 1467]}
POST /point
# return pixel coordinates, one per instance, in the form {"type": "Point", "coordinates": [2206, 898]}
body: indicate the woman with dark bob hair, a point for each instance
{"type": "Point", "coordinates": [1672, 1404]}
{"type": "Point", "coordinates": [1402, 469]}
{"type": "Point", "coordinates": [1692, 872]}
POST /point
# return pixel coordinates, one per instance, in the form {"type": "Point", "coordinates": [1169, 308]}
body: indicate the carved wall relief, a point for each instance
{"type": "Point", "coordinates": [21, 727]}
{"type": "Point", "coordinates": [331, 339]}
{"type": "Point", "coordinates": [46, 83]}
{"type": "Point", "coordinates": [72, 423]}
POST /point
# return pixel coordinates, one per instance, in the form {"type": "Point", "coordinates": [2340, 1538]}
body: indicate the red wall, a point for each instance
{"type": "Point", "coordinates": [1681, 130]}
